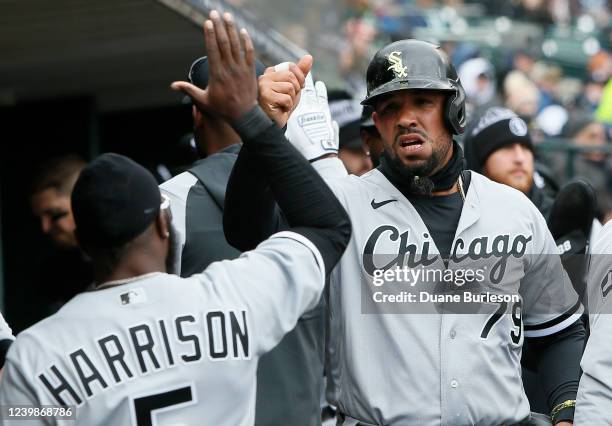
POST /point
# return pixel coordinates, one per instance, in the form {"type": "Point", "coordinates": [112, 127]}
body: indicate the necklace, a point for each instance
{"type": "Point", "coordinates": [115, 283]}
{"type": "Point", "coordinates": [460, 187]}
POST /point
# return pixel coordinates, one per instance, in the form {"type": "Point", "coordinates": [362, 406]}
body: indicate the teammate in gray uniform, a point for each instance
{"type": "Point", "coordinates": [197, 197]}
{"type": "Point", "coordinates": [594, 401]}
{"type": "Point", "coordinates": [145, 347]}
{"type": "Point", "coordinates": [403, 363]}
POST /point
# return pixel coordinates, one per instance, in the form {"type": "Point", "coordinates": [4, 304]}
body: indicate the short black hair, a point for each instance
{"type": "Point", "coordinates": [59, 173]}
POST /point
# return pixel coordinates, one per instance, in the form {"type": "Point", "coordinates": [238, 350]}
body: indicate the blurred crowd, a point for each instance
{"type": "Point", "coordinates": [547, 60]}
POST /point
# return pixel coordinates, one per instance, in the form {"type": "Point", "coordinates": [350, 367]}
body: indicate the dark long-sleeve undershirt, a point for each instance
{"type": "Point", "coordinates": [309, 206]}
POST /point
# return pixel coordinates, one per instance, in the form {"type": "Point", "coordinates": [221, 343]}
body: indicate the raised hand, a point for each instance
{"type": "Point", "coordinates": [232, 86]}
{"type": "Point", "coordinates": [280, 87]}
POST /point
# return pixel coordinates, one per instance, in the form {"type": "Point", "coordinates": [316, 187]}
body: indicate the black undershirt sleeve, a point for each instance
{"type": "Point", "coordinates": [250, 213]}
{"type": "Point", "coordinates": [556, 358]}
{"type": "Point", "coordinates": [308, 204]}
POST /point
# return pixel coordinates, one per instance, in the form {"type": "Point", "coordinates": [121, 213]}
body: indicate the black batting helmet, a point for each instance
{"type": "Point", "coordinates": [415, 64]}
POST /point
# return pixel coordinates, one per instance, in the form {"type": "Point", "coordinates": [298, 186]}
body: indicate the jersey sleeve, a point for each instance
{"type": "Point", "coordinates": [594, 400]}
{"type": "Point", "coordinates": [16, 390]}
{"type": "Point", "coordinates": [277, 282]}
{"type": "Point", "coordinates": [550, 303]}
{"type": "Point", "coordinates": [330, 168]}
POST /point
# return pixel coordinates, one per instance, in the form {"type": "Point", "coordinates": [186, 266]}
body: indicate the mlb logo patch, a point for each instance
{"type": "Point", "coordinates": [133, 297]}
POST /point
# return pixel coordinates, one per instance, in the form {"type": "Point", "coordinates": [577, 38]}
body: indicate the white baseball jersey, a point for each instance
{"type": "Point", "coordinates": [594, 400]}
{"type": "Point", "coordinates": [165, 350]}
{"type": "Point", "coordinates": [397, 362]}
{"type": "Point", "coordinates": [5, 331]}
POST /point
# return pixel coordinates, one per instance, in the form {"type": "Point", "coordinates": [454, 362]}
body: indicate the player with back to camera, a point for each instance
{"type": "Point", "coordinates": [145, 347]}
{"type": "Point", "coordinates": [419, 208]}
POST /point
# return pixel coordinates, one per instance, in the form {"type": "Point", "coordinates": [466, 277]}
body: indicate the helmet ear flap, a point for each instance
{"type": "Point", "coordinates": [455, 116]}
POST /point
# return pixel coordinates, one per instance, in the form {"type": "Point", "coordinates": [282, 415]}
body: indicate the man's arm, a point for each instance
{"type": "Point", "coordinates": [552, 323]}
{"type": "Point", "coordinates": [309, 205]}
{"type": "Point", "coordinates": [316, 141]}
{"type": "Point", "coordinates": [557, 359]}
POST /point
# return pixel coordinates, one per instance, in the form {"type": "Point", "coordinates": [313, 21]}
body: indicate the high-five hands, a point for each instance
{"type": "Point", "coordinates": [280, 87]}
{"type": "Point", "coordinates": [232, 86]}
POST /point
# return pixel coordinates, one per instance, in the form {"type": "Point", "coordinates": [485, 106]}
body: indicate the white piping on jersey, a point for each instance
{"type": "Point", "coordinates": [555, 328]}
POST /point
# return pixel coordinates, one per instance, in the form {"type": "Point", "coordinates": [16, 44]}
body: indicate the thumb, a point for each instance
{"type": "Point", "coordinates": [198, 96]}
{"type": "Point", "coordinates": [305, 64]}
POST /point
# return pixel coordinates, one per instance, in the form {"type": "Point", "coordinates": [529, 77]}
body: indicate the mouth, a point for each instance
{"type": "Point", "coordinates": [410, 142]}
{"type": "Point", "coordinates": [518, 172]}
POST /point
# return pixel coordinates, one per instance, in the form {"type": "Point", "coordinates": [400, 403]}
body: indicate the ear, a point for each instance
{"type": "Point", "coordinates": [162, 225]}
{"type": "Point", "coordinates": [376, 120]}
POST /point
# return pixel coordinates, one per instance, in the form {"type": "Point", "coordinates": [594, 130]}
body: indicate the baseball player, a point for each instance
{"type": "Point", "coordinates": [594, 401]}
{"type": "Point", "coordinates": [145, 347]}
{"type": "Point", "coordinates": [396, 360]}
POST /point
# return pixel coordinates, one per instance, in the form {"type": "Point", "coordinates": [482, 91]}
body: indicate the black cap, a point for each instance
{"type": "Point", "coordinates": [350, 136]}
{"type": "Point", "coordinates": [114, 200]}
{"type": "Point", "coordinates": [498, 127]}
{"type": "Point", "coordinates": [199, 72]}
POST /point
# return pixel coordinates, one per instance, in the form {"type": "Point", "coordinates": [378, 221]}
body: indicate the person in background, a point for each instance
{"type": "Point", "coordinates": [370, 136]}
{"type": "Point", "coordinates": [65, 271]}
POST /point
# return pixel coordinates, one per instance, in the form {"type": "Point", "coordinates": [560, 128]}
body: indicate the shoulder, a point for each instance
{"type": "Point", "coordinates": [603, 242]}
{"type": "Point", "coordinates": [178, 187]}
{"type": "Point", "coordinates": [497, 196]}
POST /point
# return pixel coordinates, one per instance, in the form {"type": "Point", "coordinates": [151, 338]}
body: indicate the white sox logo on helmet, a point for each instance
{"type": "Point", "coordinates": [397, 65]}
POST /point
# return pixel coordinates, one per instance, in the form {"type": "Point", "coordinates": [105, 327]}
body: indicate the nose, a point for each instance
{"type": "Point", "coordinates": [520, 153]}
{"type": "Point", "coordinates": [408, 117]}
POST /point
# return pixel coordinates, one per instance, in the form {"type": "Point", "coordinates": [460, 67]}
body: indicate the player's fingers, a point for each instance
{"type": "Point", "coordinates": [305, 64]}
{"type": "Point", "coordinates": [249, 49]}
{"type": "Point", "coordinates": [321, 91]}
{"type": "Point", "coordinates": [225, 51]}
{"type": "Point", "coordinates": [269, 70]}
{"type": "Point", "coordinates": [287, 77]}
{"type": "Point", "coordinates": [198, 96]}
{"type": "Point", "coordinates": [309, 91]}
{"type": "Point", "coordinates": [212, 49]}
{"type": "Point", "coordinates": [297, 72]}
{"type": "Point", "coordinates": [284, 88]}
{"type": "Point", "coordinates": [285, 102]}
{"type": "Point", "coordinates": [232, 35]}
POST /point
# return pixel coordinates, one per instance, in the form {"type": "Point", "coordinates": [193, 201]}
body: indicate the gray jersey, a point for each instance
{"type": "Point", "coordinates": [405, 363]}
{"type": "Point", "coordinates": [594, 400]}
{"type": "Point", "coordinates": [166, 350]}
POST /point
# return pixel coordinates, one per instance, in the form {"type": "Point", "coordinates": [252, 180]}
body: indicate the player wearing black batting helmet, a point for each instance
{"type": "Point", "coordinates": [421, 211]}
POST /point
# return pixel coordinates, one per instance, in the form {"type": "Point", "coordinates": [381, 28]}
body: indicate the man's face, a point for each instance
{"type": "Point", "coordinates": [592, 134]}
{"type": "Point", "coordinates": [511, 165]}
{"type": "Point", "coordinates": [55, 215]}
{"type": "Point", "coordinates": [411, 125]}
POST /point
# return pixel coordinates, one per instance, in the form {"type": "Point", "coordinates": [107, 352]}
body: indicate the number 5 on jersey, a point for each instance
{"type": "Point", "coordinates": [146, 407]}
